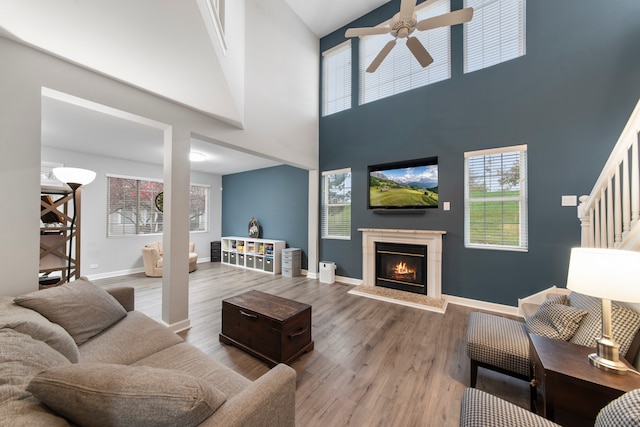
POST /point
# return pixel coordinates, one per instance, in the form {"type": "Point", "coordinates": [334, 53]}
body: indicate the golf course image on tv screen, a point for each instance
{"type": "Point", "coordinates": [404, 185]}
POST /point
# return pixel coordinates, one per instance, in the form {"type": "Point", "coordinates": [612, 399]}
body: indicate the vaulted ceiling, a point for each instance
{"type": "Point", "coordinates": [161, 46]}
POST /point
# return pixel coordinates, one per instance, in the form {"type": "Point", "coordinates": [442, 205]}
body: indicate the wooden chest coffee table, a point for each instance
{"type": "Point", "coordinates": [271, 328]}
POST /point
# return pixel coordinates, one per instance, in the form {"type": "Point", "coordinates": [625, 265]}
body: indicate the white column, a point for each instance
{"type": "Point", "coordinates": [175, 269]}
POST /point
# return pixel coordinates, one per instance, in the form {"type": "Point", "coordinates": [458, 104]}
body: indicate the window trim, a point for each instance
{"type": "Point", "coordinates": [324, 205]}
{"type": "Point", "coordinates": [522, 198]}
{"type": "Point", "coordinates": [522, 35]}
{"type": "Point", "coordinates": [206, 214]}
{"type": "Point", "coordinates": [417, 74]}
{"type": "Point", "coordinates": [348, 103]}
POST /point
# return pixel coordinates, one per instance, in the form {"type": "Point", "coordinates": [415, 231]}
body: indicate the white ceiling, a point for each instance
{"type": "Point", "coordinates": [325, 16]}
{"type": "Point", "coordinates": [72, 30]}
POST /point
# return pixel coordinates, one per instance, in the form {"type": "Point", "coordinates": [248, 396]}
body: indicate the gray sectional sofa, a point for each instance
{"type": "Point", "coordinates": [79, 355]}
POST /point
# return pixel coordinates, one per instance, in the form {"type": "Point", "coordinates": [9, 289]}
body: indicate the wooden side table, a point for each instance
{"type": "Point", "coordinates": [573, 391]}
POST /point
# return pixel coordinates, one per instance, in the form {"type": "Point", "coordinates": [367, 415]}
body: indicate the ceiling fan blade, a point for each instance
{"type": "Point", "coordinates": [406, 9]}
{"type": "Point", "coordinates": [419, 51]}
{"type": "Point", "coordinates": [366, 31]}
{"type": "Point", "coordinates": [381, 55]}
{"type": "Point", "coordinates": [451, 18]}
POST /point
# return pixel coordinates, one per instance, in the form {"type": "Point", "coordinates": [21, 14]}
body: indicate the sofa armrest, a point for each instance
{"type": "Point", "coordinates": [125, 296]}
{"type": "Point", "coordinates": [270, 401]}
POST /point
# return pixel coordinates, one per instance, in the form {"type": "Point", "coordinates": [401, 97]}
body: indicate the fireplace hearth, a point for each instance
{"type": "Point", "coordinates": [402, 267]}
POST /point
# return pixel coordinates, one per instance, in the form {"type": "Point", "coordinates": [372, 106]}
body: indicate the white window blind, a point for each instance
{"type": "Point", "coordinates": [495, 34]}
{"type": "Point", "coordinates": [496, 199]}
{"type": "Point", "coordinates": [336, 204]}
{"type": "Point", "coordinates": [132, 206]}
{"type": "Point", "coordinates": [336, 79]}
{"type": "Point", "coordinates": [400, 71]}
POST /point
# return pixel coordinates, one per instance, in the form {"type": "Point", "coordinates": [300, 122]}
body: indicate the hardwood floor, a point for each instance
{"type": "Point", "coordinates": [374, 363]}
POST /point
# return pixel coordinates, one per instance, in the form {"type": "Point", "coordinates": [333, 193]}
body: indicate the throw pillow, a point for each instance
{"type": "Point", "coordinates": [22, 357]}
{"type": "Point", "coordinates": [80, 307]}
{"type": "Point", "coordinates": [625, 322]}
{"type": "Point", "coordinates": [555, 321]}
{"type": "Point", "coordinates": [92, 394]}
{"type": "Point", "coordinates": [623, 411]}
{"type": "Point", "coordinates": [37, 326]}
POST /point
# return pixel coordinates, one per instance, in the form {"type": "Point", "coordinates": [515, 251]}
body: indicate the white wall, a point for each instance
{"type": "Point", "coordinates": [281, 111]}
{"type": "Point", "coordinates": [122, 255]}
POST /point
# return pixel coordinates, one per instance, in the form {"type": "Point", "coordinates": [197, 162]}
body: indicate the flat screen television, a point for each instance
{"type": "Point", "coordinates": [411, 184]}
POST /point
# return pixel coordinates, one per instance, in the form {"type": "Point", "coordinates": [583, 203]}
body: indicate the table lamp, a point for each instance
{"type": "Point", "coordinates": [612, 275]}
{"type": "Point", "coordinates": [74, 178]}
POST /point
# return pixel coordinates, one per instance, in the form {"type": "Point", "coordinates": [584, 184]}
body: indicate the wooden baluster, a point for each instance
{"type": "Point", "coordinates": [626, 197]}
{"type": "Point", "coordinates": [610, 214]}
{"type": "Point", "coordinates": [635, 184]}
{"type": "Point", "coordinates": [603, 218]}
{"type": "Point", "coordinates": [596, 224]}
{"type": "Point", "coordinates": [618, 209]}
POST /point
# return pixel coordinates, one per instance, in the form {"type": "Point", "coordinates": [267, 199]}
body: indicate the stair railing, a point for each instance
{"type": "Point", "coordinates": [609, 216]}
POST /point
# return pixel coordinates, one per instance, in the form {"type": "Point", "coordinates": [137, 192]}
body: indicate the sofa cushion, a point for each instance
{"type": "Point", "coordinates": [190, 360]}
{"type": "Point", "coordinates": [621, 412]}
{"type": "Point", "coordinates": [37, 326]}
{"type": "Point", "coordinates": [625, 322]}
{"type": "Point", "coordinates": [481, 409]}
{"type": "Point", "coordinates": [22, 357]}
{"type": "Point", "coordinates": [119, 395]}
{"type": "Point", "coordinates": [131, 339]}
{"type": "Point", "coordinates": [80, 307]}
{"type": "Point", "coordinates": [555, 320]}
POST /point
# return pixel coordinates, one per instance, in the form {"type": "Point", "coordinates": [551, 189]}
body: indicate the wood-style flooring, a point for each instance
{"type": "Point", "coordinates": [374, 364]}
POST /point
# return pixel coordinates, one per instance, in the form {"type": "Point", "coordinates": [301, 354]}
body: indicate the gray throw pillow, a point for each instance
{"type": "Point", "coordinates": [80, 307]}
{"type": "Point", "coordinates": [624, 322]}
{"type": "Point", "coordinates": [101, 394]}
{"type": "Point", "coordinates": [21, 358]}
{"type": "Point", "coordinates": [621, 412]}
{"type": "Point", "coordinates": [38, 327]}
{"type": "Point", "coordinates": [557, 321]}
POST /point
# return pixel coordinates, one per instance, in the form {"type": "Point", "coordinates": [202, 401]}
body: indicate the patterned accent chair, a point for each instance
{"type": "Point", "coordinates": [502, 344]}
{"type": "Point", "coordinates": [152, 258]}
{"type": "Point", "coordinates": [481, 409]}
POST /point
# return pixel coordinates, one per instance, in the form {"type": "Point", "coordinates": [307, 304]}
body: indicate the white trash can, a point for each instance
{"type": "Point", "coordinates": [327, 272]}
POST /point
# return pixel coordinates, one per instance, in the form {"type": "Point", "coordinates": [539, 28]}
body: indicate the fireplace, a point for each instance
{"type": "Point", "coordinates": [432, 239]}
{"type": "Point", "coordinates": [402, 267]}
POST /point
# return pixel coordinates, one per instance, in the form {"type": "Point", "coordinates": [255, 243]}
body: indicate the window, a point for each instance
{"type": "Point", "coordinates": [400, 71]}
{"type": "Point", "coordinates": [495, 196]}
{"type": "Point", "coordinates": [495, 34]}
{"type": "Point", "coordinates": [336, 204]}
{"type": "Point", "coordinates": [336, 79]}
{"type": "Point", "coordinates": [135, 207]}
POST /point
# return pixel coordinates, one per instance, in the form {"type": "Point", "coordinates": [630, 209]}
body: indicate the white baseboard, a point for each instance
{"type": "Point", "coordinates": [482, 305]}
{"type": "Point", "coordinates": [114, 274]}
{"type": "Point", "coordinates": [180, 326]}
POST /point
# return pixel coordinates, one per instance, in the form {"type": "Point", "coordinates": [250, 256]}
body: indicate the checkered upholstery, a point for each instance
{"type": "Point", "coordinates": [480, 409]}
{"type": "Point", "coordinates": [622, 412]}
{"type": "Point", "coordinates": [500, 342]}
{"type": "Point", "coordinates": [624, 322]}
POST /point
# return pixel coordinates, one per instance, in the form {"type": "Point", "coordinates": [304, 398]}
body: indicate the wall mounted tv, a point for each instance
{"type": "Point", "coordinates": [411, 184]}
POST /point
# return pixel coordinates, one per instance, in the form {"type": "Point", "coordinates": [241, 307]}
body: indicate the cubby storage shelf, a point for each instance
{"type": "Point", "coordinates": [255, 254]}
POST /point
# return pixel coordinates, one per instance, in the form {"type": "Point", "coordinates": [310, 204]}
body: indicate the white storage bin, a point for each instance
{"type": "Point", "coordinates": [327, 272]}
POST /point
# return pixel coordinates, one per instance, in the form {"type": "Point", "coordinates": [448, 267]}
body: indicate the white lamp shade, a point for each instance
{"type": "Point", "coordinates": [74, 175]}
{"type": "Point", "coordinates": [605, 273]}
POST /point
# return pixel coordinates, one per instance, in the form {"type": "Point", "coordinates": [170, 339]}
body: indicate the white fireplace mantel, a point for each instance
{"type": "Point", "coordinates": [430, 238]}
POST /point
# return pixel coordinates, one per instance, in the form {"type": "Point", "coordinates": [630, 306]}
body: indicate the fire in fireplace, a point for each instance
{"type": "Point", "coordinates": [402, 267]}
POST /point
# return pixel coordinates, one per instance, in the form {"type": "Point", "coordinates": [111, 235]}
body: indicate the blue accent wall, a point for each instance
{"type": "Point", "coordinates": [568, 98]}
{"type": "Point", "coordinates": [277, 197]}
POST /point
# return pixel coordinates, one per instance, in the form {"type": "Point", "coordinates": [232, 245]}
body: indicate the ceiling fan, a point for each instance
{"type": "Point", "coordinates": [403, 24]}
